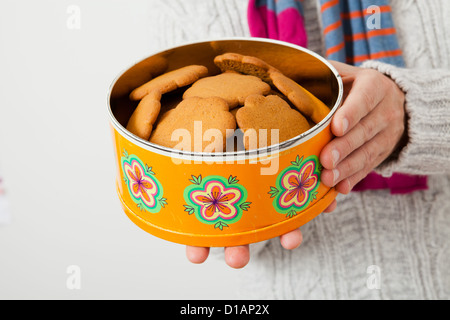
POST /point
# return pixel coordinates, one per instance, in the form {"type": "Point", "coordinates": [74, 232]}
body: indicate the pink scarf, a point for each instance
{"type": "Point", "coordinates": [347, 39]}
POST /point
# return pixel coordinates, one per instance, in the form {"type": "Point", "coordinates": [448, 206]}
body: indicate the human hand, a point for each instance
{"type": "Point", "coordinates": [368, 127]}
{"type": "Point", "coordinates": [239, 256]}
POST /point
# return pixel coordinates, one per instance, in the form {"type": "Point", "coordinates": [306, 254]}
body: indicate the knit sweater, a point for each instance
{"type": "Point", "coordinates": [374, 245]}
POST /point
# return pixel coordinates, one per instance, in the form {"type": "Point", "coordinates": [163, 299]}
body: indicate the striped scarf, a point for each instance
{"type": "Point", "coordinates": [354, 31]}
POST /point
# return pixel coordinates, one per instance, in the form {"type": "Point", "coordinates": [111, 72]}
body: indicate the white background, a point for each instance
{"type": "Point", "coordinates": [56, 155]}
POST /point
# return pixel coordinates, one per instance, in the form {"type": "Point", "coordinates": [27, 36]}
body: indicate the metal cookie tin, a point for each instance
{"type": "Point", "coordinates": [230, 198]}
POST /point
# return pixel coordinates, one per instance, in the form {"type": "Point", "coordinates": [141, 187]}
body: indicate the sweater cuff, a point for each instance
{"type": "Point", "coordinates": [427, 106]}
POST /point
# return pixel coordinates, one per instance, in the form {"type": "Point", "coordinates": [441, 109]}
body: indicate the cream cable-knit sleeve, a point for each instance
{"type": "Point", "coordinates": [424, 36]}
{"type": "Point", "coordinates": [428, 126]}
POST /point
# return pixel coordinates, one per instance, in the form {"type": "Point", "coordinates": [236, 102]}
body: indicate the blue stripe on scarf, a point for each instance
{"type": "Point", "coordinates": [372, 47]}
{"type": "Point", "coordinates": [280, 5]}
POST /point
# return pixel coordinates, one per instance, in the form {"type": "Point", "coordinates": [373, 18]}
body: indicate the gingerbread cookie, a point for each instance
{"type": "Point", "coordinates": [170, 81]}
{"type": "Point", "coordinates": [269, 113]}
{"type": "Point", "coordinates": [234, 111]}
{"type": "Point", "coordinates": [139, 74]}
{"type": "Point", "coordinates": [169, 101]}
{"type": "Point", "coordinates": [245, 64]}
{"type": "Point", "coordinates": [144, 116]}
{"type": "Point", "coordinates": [194, 117]}
{"type": "Point", "coordinates": [233, 87]}
{"type": "Point", "coordinates": [301, 98]}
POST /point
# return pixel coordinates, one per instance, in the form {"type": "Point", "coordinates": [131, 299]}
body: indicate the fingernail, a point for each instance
{"type": "Point", "coordinates": [335, 175]}
{"type": "Point", "coordinates": [349, 185]}
{"type": "Point", "coordinates": [335, 156]}
{"type": "Point", "coordinates": [344, 125]}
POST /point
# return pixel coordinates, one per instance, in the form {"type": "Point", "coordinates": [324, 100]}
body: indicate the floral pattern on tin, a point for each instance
{"type": "Point", "coordinates": [216, 200]}
{"type": "Point", "coordinates": [145, 190]}
{"type": "Point", "coordinates": [296, 186]}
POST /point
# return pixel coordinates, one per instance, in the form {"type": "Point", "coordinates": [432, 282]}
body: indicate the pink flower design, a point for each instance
{"type": "Point", "coordinates": [297, 186]}
{"type": "Point", "coordinates": [216, 201]}
{"type": "Point", "coordinates": [141, 186]}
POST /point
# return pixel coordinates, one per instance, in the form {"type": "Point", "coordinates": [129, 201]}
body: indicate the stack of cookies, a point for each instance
{"type": "Point", "coordinates": [248, 95]}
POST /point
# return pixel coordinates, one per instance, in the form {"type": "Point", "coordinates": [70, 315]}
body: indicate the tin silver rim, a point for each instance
{"type": "Point", "coordinates": [243, 154]}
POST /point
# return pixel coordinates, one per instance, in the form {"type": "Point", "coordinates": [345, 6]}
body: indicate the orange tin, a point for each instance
{"type": "Point", "coordinates": [230, 198]}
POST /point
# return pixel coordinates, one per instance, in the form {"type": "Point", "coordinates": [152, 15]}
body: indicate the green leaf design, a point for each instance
{"type": "Point", "coordinates": [190, 210]}
{"type": "Point", "coordinates": [314, 195]}
{"type": "Point", "coordinates": [320, 167]}
{"type": "Point", "coordinates": [141, 207]}
{"type": "Point", "coordinates": [196, 180]}
{"type": "Point", "coordinates": [298, 161]}
{"type": "Point", "coordinates": [273, 192]}
{"type": "Point", "coordinates": [162, 202]}
{"type": "Point", "coordinates": [232, 180]}
{"type": "Point", "coordinates": [291, 214]}
{"type": "Point", "coordinates": [149, 169]}
{"type": "Point", "coordinates": [245, 205]}
{"type": "Point", "coordinates": [125, 153]}
{"type": "Point", "coordinates": [220, 225]}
